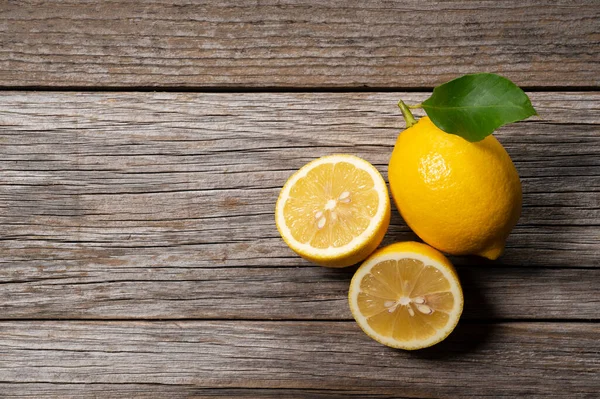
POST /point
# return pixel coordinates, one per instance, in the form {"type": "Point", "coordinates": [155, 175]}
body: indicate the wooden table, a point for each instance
{"type": "Point", "coordinates": [143, 145]}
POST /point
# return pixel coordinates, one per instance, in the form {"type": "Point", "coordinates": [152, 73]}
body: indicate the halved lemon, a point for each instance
{"type": "Point", "coordinates": [407, 296]}
{"type": "Point", "coordinates": [334, 211]}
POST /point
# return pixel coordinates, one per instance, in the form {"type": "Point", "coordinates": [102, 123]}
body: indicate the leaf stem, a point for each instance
{"type": "Point", "coordinates": [408, 116]}
{"type": "Point", "coordinates": [416, 106]}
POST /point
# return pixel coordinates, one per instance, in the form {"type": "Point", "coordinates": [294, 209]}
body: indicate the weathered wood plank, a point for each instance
{"type": "Point", "coordinates": [516, 359]}
{"type": "Point", "coordinates": [170, 292]}
{"type": "Point", "coordinates": [117, 172]}
{"type": "Point", "coordinates": [332, 43]}
{"type": "Point", "coordinates": [153, 391]}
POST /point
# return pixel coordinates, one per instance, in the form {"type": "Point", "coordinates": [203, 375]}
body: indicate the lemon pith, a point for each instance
{"type": "Point", "coordinates": [334, 211]}
{"type": "Point", "coordinates": [459, 197]}
{"type": "Point", "coordinates": [407, 296]}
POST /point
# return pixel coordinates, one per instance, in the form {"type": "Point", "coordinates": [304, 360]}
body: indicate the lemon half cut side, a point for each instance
{"type": "Point", "coordinates": [334, 211]}
{"type": "Point", "coordinates": [407, 296]}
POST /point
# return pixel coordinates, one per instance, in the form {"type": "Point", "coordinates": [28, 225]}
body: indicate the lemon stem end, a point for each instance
{"type": "Point", "coordinates": [408, 116]}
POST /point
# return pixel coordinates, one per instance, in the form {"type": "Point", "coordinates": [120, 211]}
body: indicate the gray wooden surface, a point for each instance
{"type": "Point", "coordinates": [138, 252]}
{"type": "Point", "coordinates": [153, 206]}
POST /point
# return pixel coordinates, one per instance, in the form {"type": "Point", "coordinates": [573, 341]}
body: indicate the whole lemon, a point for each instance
{"type": "Point", "coordinates": [458, 196]}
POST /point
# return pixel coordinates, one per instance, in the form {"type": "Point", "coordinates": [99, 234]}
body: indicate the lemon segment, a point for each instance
{"type": "Point", "coordinates": [334, 211]}
{"type": "Point", "coordinates": [407, 296]}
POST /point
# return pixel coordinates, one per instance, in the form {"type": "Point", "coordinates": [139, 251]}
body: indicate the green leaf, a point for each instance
{"type": "Point", "coordinates": [475, 105]}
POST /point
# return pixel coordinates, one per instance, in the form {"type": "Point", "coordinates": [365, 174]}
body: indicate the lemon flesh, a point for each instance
{"type": "Point", "coordinates": [459, 197]}
{"type": "Point", "coordinates": [406, 296]}
{"type": "Point", "coordinates": [334, 211]}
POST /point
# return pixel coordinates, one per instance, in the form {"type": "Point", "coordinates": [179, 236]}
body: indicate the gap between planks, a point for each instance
{"type": "Point", "coordinates": [273, 89]}
{"type": "Point", "coordinates": [489, 321]}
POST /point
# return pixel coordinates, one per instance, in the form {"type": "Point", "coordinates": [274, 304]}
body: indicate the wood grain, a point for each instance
{"type": "Point", "coordinates": [153, 391]}
{"type": "Point", "coordinates": [159, 205]}
{"type": "Point", "coordinates": [309, 293]}
{"type": "Point", "coordinates": [517, 359]}
{"type": "Point", "coordinates": [266, 44]}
